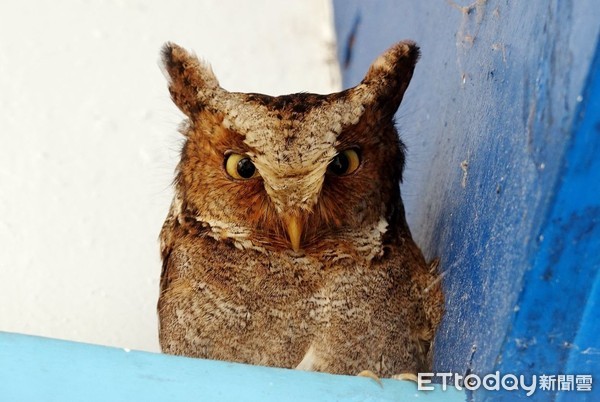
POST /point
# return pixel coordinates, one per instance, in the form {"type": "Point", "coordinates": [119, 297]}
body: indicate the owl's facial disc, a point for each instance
{"type": "Point", "coordinates": [293, 153]}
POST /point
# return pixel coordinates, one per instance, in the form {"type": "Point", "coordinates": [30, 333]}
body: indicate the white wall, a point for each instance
{"type": "Point", "coordinates": [88, 145]}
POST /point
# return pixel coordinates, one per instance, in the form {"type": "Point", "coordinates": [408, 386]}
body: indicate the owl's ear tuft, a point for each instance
{"type": "Point", "coordinates": [389, 76]}
{"type": "Point", "coordinates": [191, 82]}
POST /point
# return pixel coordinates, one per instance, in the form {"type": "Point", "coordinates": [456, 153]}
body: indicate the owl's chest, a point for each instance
{"type": "Point", "coordinates": [255, 307]}
{"type": "Point", "coordinates": [267, 286]}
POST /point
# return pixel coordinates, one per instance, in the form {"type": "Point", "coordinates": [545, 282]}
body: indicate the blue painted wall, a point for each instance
{"type": "Point", "coordinates": [502, 179]}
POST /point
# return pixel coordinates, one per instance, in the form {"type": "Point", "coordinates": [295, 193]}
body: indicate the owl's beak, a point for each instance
{"type": "Point", "coordinates": [293, 225]}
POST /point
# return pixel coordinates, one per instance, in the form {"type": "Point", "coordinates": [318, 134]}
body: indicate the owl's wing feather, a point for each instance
{"type": "Point", "coordinates": [167, 244]}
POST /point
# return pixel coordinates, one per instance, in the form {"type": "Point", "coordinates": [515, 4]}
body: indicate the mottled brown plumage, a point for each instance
{"type": "Point", "coordinates": [308, 262]}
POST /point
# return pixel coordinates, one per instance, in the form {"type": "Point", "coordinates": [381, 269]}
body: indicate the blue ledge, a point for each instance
{"type": "Point", "coordinates": [41, 369]}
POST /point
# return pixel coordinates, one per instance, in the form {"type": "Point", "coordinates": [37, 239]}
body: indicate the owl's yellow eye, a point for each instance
{"type": "Point", "coordinates": [344, 163]}
{"type": "Point", "coordinates": [239, 166]}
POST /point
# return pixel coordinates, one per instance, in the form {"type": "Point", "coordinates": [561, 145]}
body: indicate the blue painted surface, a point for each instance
{"type": "Point", "coordinates": [502, 178]}
{"type": "Point", "coordinates": [558, 313]}
{"type": "Point", "coordinates": [41, 369]}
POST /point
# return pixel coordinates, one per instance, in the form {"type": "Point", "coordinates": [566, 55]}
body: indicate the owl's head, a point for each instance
{"type": "Point", "coordinates": [290, 171]}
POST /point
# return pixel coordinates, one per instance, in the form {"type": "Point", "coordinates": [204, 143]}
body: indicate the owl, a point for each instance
{"type": "Point", "coordinates": [286, 243]}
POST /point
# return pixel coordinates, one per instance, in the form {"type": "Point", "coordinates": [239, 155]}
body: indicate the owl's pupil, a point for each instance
{"type": "Point", "coordinates": [339, 165]}
{"type": "Point", "coordinates": [246, 168]}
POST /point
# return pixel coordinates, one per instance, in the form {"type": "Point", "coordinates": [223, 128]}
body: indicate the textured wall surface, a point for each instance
{"type": "Point", "coordinates": [493, 122]}
{"type": "Point", "coordinates": [89, 143]}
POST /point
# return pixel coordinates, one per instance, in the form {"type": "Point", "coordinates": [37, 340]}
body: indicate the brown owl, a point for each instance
{"type": "Point", "coordinates": [286, 243]}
